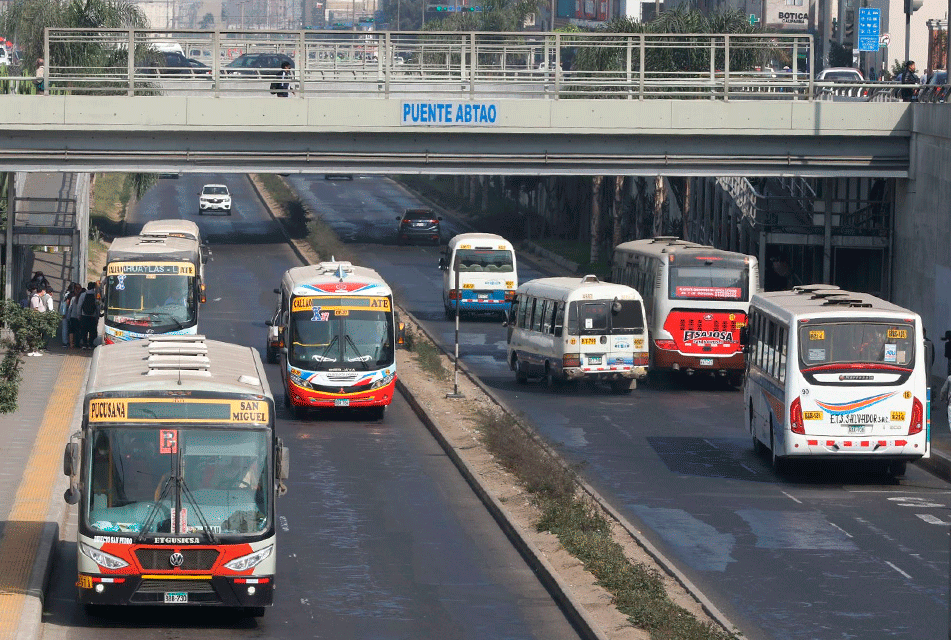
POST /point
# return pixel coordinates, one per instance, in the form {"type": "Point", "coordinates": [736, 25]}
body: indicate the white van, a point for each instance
{"type": "Point", "coordinates": [487, 274]}
{"type": "Point", "coordinates": [578, 329]}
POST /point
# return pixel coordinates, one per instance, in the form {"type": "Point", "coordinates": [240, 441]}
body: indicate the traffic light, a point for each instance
{"type": "Point", "coordinates": [849, 36]}
{"type": "Point", "coordinates": [913, 5]}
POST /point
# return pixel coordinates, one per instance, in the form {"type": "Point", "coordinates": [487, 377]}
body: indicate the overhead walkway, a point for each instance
{"type": "Point", "coordinates": [449, 103]}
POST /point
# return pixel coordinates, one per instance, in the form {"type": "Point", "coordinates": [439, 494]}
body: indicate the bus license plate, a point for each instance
{"type": "Point", "coordinates": [594, 360]}
{"type": "Point", "coordinates": [176, 598]}
{"type": "Point", "coordinates": [857, 429]}
{"type": "Point", "coordinates": [706, 362]}
{"type": "Point", "coordinates": [483, 296]}
{"type": "Point", "coordinates": [341, 402]}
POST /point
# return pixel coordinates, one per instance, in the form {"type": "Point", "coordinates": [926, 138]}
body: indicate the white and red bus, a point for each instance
{"type": "Point", "coordinates": [176, 470]}
{"type": "Point", "coordinates": [340, 334]}
{"type": "Point", "coordinates": [696, 298]}
{"type": "Point", "coordinates": [836, 375]}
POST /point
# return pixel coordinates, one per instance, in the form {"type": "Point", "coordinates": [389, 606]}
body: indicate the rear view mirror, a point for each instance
{"type": "Point", "coordinates": [268, 323]}
{"type": "Point", "coordinates": [443, 264]}
{"type": "Point", "coordinates": [744, 335]}
{"type": "Point", "coordinates": [71, 459]}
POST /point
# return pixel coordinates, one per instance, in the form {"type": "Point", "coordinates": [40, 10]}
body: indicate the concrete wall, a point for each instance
{"type": "Point", "coordinates": [921, 277]}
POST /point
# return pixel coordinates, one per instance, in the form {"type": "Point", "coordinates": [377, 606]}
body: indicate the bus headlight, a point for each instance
{"type": "Point", "coordinates": [300, 382]}
{"type": "Point", "coordinates": [249, 561]}
{"type": "Point", "coordinates": [103, 559]}
{"type": "Point", "coordinates": [382, 382]}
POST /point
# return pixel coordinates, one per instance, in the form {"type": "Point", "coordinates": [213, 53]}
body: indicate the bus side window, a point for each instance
{"type": "Point", "coordinates": [532, 303]}
{"type": "Point", "coordinates": [760, 328]}
{"type": "Point", "coordinates": [547, 317]}
{"type": "Point", "coordinates": [512, 315]}
{"type": "Point", "coordinates": [537, 315]}
{"type": "Point", "coordinates": [558, 319]}
{"type": "Point", "coordinates": [782, 354]}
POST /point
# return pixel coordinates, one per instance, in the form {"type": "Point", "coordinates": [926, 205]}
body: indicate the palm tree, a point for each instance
{"type": "Point", "coordinates": [25, 20]}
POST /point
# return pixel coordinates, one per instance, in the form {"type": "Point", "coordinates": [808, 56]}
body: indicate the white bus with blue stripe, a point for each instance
{"type": "Point", "coordinates": [836, 375]}
{"type": "Point", "coordinates": [479, 274]}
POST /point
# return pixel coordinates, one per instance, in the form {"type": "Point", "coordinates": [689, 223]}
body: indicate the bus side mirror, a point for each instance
{"type": "Point", "coordinates": [205, 252]}
{"type": "Point", "coordinates": [70, 459]}
{"type": "Point", "coordinates": [268, 323]}
{"type": "Point", "coordinates": [282, 465]}
{"type": "Point", "coordinates": [201, 291]}
{"type": "Point", "coordinates": [443, 264]}
{"type": "Point", "coordinates": [276, 290]}
{"type": "Point", "coordinates": [744, 335]}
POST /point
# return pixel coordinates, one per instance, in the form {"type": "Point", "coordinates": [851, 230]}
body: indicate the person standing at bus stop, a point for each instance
{"type": "Point", "coordinates": [88, 317]}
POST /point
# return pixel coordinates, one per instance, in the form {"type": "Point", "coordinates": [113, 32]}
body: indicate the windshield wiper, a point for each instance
{"type": "Point", "coordinates": [362, 359]}
{"type": "Point", "coordinates": [156, 314]}
{"type": "Point", "coordinates": [323, 355]}
{"type": "Point", "coordinates": [154, 510]}
{"type": "Point", "coordinates": [201, 516]}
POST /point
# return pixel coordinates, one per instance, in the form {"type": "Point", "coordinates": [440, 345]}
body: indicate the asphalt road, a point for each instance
{"type": "Point", "coordinates": [826, 552]}
{"type": "Point", "coordinates": [379, 535]}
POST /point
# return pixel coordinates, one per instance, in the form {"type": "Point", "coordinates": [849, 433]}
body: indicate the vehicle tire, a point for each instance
{"type": "Point", "coordinates": [271, 356]}
{"type": "Point", "coordinates": [449, 312]}
{"type": "Point", "coordinates": [780, 464]}
{"type": "Point", "coordinates": [896, 469]}
{"type": "Point", "coordinates": [621, 387]}
{"type": "Point", "coordinates": [735, 379]}
{"type": "Point", "coordinates": [255, 612]}
{"type": "Point", "coordinates": [758, 447]}
{"type": "Point", "coordinates": [377, 413]}
{"type": "Point", "coordinates": [551, 381]}
{"type": "Point", "coordinates": [287, 400]}
{"type": "Point", "coordinates": [521, 376]}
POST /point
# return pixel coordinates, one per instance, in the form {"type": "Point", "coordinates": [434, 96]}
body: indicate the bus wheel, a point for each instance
{"type": "Point", "coordinates": [287, 400]}
{"type": "Point", "coordinates": [621, 386]}
{"type": "Point", "coordinates": [550, 380]}
{"type": "Point", "coordinates": [735, 379]}
{"type": "Point", "coordinates": [896, 469]}
{"type": "Point", "coordinates": [377, 413]}
{"type": "Point", "coordinates": [255, 612]}
{"type": "Point", "coordinates": [521, 376]}
{"type": "Point", "coordinates": [758, 447]}
{"type": "Point", "coordinates": [780, 464]}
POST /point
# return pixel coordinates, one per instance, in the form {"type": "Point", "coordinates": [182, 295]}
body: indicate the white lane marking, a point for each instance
{"type": "Point", "coordinates": [712, 446]}
{"type": "Point", "coordinates": [932, 519]}
{"type": "Point", "coordinates": [790, 497]}
{"type": "Point", "coordinates": [897, 569]}
{"type": "Point", "coordinates": [284, 527]}
{"type": "Point", "coordinates": [841, 529]}
{"type": "Point", "coordinates": [747, 468]}
{"type": "Point", "coordinates": [912, 501]}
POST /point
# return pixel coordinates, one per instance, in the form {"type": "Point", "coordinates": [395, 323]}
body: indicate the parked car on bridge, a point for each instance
{"type": "Point", "coordinates": [257, 64]}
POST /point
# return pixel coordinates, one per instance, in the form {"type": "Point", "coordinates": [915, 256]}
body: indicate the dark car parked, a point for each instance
{"type": "Point", "coordinates": [257, 64]}
{"type": "Point", "coordinates": [172, 63]}
{"type": "Point", "coordinates": [418, 224]}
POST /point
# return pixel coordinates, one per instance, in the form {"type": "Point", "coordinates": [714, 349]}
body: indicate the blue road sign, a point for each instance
{"type": "Point", "coordinates": [870, 20]}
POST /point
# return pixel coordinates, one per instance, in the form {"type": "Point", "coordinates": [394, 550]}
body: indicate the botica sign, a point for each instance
{"type": "Point", "coordinates": [788, 16]}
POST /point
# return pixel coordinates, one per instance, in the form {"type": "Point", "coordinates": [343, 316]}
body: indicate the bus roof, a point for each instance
{"type": "Point", "coordinates": [667, 245]}
{"type": "Point", "coordinates": [484, 240]}
{"type": "Point", "coordinates": [171, 227]}
{"type": "Point", "coordinates": [177, 363]}
{"type": "Point", "coordinates": [134, 248]}
{"type": "Point", "coordinates": [334, 278]}
{"type": "Point", "coordinates": [568, 289]}
{"type": "Point", "coordinates": [824, 301]}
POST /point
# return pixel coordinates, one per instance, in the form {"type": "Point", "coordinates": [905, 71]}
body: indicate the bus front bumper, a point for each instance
{"type": "Point", "coordinates": [302, 397]}
{"type": "Point", "coordinates": [223, 591]}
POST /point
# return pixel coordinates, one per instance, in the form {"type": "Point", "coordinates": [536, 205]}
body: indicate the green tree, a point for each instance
{"type": "Point", "coordinates": [496, 15]}
{"type": "Point", "coordinates": [208, 21]}
{"type": "Point", "coordinates": [24, 22]}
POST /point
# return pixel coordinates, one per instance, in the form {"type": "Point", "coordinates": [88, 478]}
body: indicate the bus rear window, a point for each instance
{"type": "Point", "coordinates": [481, 260]}
{"type": "Point", "coordinates": [709, 282]}
{"type": "Point", "coordinates": [856, 342]}
{"type": "Point", "coordinates": [598, 317]}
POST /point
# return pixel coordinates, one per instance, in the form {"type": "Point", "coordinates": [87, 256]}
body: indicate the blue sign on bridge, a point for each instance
{"type": "Point", "coordinates": [870, 20]}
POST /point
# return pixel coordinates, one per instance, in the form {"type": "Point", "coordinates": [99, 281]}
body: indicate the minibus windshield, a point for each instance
{"type": "Point", "coordinates": [598, 317]}
{"type": "Point", "coordinates": [485, 260]}
{"type": "Point", "coordinates": [829, 343]}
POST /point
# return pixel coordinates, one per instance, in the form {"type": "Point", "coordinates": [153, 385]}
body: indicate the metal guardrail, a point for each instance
{"type": "Point", "coordinates": [471, 65]}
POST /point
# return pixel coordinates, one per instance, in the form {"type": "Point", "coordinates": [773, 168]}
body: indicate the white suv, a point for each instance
{"type": "Point", "coordinates": [214, 197]}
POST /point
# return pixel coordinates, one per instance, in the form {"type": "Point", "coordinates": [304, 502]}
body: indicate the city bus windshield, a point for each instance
{"type": "Point", "coordinates": [598, 317]}
{"type": "Point", "coordinates": [829, 343]}
{"type": "Point", "coordinates": [150, 300]}
{"type": "Point", "coordinates": [718, 281]}
{"type": "Point", "coordinates": [341, 334]}
{"type": "Point", "coordinates": [219, 477]}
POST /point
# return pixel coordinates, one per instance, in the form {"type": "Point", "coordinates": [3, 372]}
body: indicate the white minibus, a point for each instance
{"type": "Point", "coordinates": [837, 375]}
{"type": "Point", "coordinates": [487, 274]}
{"type": "Point", "coordinates": [578, 329]}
